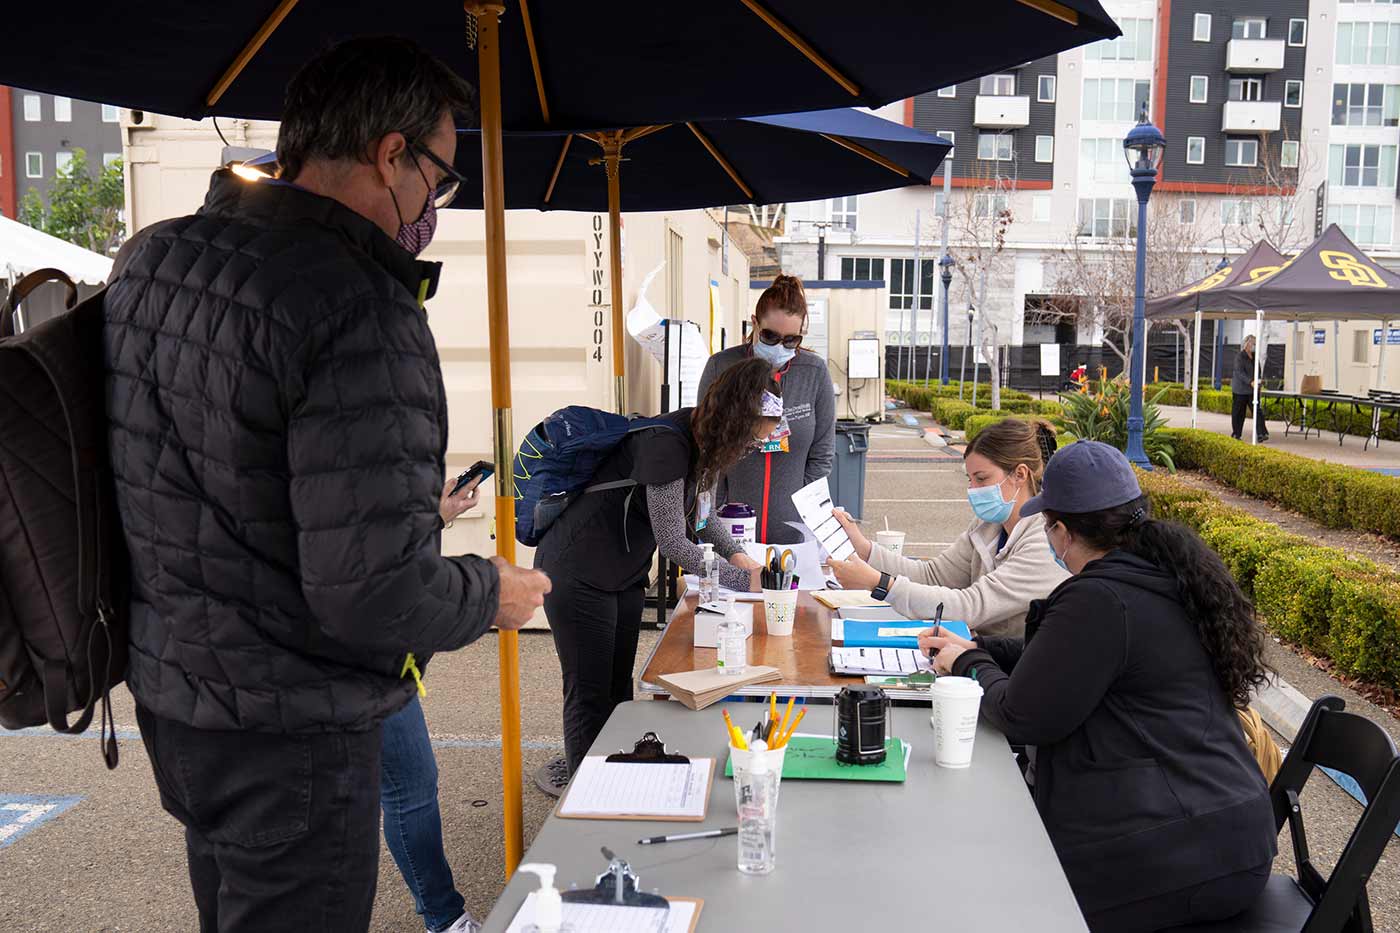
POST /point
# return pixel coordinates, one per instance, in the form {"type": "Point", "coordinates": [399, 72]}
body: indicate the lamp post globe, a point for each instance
{"type": "Point", "coordinates": [1217, 363]}
{"type": "Point", "coordinates": [1143, 148]}
{"type": "Point", "coordinates": [945, 266]}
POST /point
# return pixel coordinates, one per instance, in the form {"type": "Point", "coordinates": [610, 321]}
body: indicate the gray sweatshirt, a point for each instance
{"type": "Point", "coordinates": [766, 481]}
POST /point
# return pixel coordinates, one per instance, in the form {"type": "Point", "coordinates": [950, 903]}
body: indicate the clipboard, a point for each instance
{"type": "Point", "coordinates": [698, 905]}
{"type": "Point", "coordinates": [595, 791]}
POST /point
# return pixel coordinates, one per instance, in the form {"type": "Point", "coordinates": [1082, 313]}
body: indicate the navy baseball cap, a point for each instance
{"type": "Point", "coordinates": [1086, 476]}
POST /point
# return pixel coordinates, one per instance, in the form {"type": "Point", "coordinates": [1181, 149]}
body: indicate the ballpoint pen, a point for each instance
{"type": "Point", "coordinates": [706, 834]}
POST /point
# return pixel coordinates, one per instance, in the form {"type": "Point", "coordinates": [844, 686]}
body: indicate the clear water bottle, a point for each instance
{"type": "Point", "coordinates": [756, 793]}
{"type": "Point", "coordinates": [732, 642]}
{"type": "Point", "coordinates": [709, 577]}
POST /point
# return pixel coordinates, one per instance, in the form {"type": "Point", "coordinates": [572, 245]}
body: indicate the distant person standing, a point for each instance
{"type": "Point", "coordinates": [767, 478]}
{"type": "Point", "coordinates": [1242, 393]}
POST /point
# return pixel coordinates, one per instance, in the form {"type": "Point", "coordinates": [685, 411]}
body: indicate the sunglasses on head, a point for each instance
{"type": "Point", "coordinates": [452, 180]}
{"type": "Point", "coordinates": [773, 338]}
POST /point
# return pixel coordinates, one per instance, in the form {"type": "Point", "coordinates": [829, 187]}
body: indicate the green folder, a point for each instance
{"type": "Point", "coordinates": [814, 758]}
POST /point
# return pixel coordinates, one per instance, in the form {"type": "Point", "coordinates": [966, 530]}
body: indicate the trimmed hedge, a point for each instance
{"type": "Point", "coordinates": [1357, 422]}
{"type": "Point", "coordinates": [976, 424]}
{"type": "Point", "coordinates": [1335, 495]}
{"type": "Point", "coordinates": [1335, 605]}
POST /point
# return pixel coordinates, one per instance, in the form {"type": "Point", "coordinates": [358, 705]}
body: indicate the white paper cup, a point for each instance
{"type": "Point", "coordinates": [892, 541]}
{"type": "Point", "coordinates": [955, 704]}
{"type": "Point", "coordinates": [780, 611]}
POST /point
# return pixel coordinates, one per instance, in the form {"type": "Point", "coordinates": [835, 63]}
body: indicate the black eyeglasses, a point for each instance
{"type": "Point", "coordinates": [447, 188]}
{"type": "Point", "coordinates": [773, 338]}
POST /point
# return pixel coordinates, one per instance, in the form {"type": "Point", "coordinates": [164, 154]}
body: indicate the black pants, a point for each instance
{"type": "Point", "coordinates": [281, 831]}
{"type": "Point", "coordinates": [1213, 901]}
{"type": "Point", "coordinates": [1239, 410]}
{"type": "Point", "coordinates": [595, 633]}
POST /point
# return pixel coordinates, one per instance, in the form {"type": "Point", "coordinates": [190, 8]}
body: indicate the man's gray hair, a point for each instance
{"type": "Point", "coordinates": [343, 101]}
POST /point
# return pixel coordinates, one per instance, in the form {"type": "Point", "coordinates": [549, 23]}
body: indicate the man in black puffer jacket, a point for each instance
{"type": "Point", "coordinates": [278, 433]}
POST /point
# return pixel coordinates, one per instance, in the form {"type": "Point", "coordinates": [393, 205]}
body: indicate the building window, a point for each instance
{"type": "Point", "coordinates": [1195, 150]}
{"type": "Point", "coordinates": [1200, 29]}
{"type": "Point", "coordinates": [33, 165]}
{"type": "Point", "coordinates": [949, 91]}
{"type": "Point", "coordinates": [1040, 208]}
{"type": "Point", "coordinates": [843, 212]}
{"type": "Point", "coordinates": [1134, 45]}
{"type": "Point", "coordinates": [1236, 211]}
{"type": "Point", "coordinates": [1250, 27]}
{"type": "Point", "coordinates": [33, 108]}
{"type": "Point", "coordinates": [110, 158]}
{"type": "Point", "coordinates": [862, 269]}
{"type": "Point", "coordinates": [1361, 346]}
{"type": "Point", "coordinates": [1045, 89]}
{"type": "Point", "coordinates": [1246, 89]}
{"type": "Point", "coordinates": [1045, 149]}
{"type": "Point", "coordinates": [1186, 211]}
{"type": "Point", "coordinates": [948, 135]}
{"type": "Point", "coordinates": [1106, 217]}
{"type": "Point", "coordinates": [1366, 224]}
{"type": "Point", "coordinates": [1368, 43]}
{"type": "Point", "coordinates": [902, 284]}
{"type": "Point", "coordinates": [1242, 152]}
{"type": "Point", "coordinates": [1365, 105]}
{"type": "Point", "coordinates": [997, 85]}
{"type": "Point", "coordinates": [111, 114]}
{"type": "Point", "coordinates": [63, 109]}
{"type": "Point", "coordinates": [988, 204]}
{"type": "Point", "coordinates": [62, 163]}
{"type": "Point", "coordinates": [1293, 93]}
{"type": "Point", "coordinates": [1288, 154]}
{"type": "Point", "coordinates": [1361, 166]}
{"type": "Point", "coordinates": [1102, 160]}
{"type": "Point", "coordinates": [994, 147]}
{"type": "Point", "coordinates": [1297, 32]}
{"type": "Point", "coordinates": [1200, 88]}
{"type": "Point", "coordinates": [1115, 99]}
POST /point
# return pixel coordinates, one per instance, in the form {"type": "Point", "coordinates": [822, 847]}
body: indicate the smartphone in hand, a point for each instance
{"type": "Point", "coordinates": [482, 468]}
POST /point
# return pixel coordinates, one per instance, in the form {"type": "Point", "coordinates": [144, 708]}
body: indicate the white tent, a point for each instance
{"type": "Point", "coordinates": [24, 249]}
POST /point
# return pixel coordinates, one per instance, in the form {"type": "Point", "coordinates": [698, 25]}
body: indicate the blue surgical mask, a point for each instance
{"type": "Point", "coordinates": [1058, 559]}
{"type": "Point", "coordinates": [988, 504]}
{"type": "Point", "coordinates": [777, 355]}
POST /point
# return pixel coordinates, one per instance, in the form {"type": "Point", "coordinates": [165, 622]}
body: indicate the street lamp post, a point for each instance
{"type": "Point", "coordinates": [1143, 147]}
{"type": "Point", "coordinates": [945, 266]}
{"type": "Point", "coordinates": [1217, 363]}
{"type": "Point", "coordinates": [967, 346]}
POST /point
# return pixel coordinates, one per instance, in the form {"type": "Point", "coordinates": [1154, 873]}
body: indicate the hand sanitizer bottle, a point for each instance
{"type": "Point", "coordinates": [732, 641]}
{"type": "Point", "coordinates": [709, 579]}
{"type": "Point", "coordinates": [549, 905]}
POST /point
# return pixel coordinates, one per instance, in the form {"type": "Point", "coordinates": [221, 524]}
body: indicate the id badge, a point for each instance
{"type": "Point", "coordinates": [775, 446]}
{"type": "Point", "coordinates": [703, 506]}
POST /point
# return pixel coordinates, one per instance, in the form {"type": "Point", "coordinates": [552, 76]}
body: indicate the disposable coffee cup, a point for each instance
{"type": "Point", "coordinates": [892, 541]}
{"type": "Point", "coordinates": [780, 611]}
{"type": "Point", "coordinates": [955, 704]}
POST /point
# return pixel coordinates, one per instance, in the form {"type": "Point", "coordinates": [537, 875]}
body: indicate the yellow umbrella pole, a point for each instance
{"type": "Point", "coordinates": [612, 162]}
{"type": "Point", "coordinates": [487, 13]}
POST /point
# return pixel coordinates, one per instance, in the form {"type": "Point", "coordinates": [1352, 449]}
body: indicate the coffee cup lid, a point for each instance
{"type": "Point", "coordinates": [957, 687]}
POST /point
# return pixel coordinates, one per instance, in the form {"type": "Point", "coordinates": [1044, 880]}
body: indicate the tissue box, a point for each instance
{"type": "Point", "coordinates": [707, 625]}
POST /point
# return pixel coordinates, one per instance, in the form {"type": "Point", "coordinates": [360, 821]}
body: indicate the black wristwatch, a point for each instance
{"type": "Point", "coordinates": [881, 590]}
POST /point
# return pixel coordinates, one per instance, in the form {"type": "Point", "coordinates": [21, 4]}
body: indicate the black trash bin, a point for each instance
{"type": "Point", "coordinates": [848, 468]}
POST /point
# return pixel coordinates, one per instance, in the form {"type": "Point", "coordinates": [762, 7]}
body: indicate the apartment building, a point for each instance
{"type": "Point", "coordinates": [1280, 117]}
{"type": "Point", "coordinates": [38, 135]}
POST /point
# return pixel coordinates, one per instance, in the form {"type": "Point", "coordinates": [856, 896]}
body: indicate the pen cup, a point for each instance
{"type": "Point", "coordinates": [956, 701]}
{"type": "Point", "coordinates": [757, 776]}
{"type": "Point", "coordinates": [780, 611]}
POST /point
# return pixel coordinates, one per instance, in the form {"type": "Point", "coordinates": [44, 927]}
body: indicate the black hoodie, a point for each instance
{"type": "Point", "coordinates": [1142, 774]}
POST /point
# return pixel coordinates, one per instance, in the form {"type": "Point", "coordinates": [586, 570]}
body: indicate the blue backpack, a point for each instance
{"type": "Point", "coordinates": [559, 457]}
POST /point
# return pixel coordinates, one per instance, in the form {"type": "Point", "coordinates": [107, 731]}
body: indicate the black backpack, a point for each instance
{"type": "Point", "coordinates": [64, 572]}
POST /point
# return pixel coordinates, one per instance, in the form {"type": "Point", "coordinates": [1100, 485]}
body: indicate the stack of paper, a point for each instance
{"type": "Point", "coordinates": [707, 686]}
{"type": "Point", "coordinates": [847, 599]}
{"type": "Point", "coordinates": [862, 661]}
{"type": "Point", "coordinates": [603, 789]}
{"type": "Point", "coordinates": [611, 918]}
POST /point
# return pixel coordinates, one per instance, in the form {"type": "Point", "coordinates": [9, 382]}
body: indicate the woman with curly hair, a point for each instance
{"type": "Point", "coordinates": [1124, 690]}
{"type": "Point", "coordinates": [598, 553]}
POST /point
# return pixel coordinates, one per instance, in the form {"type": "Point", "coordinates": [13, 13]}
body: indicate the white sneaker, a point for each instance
{"type": "Point", "coordinates": [464, 924]}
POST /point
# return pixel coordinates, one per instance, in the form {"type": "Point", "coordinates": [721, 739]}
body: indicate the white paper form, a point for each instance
{"type": "Point", "coordinates": [814, 504]}
{"type": "Point", "coordinates": [605, 918]}
{"type": "Point", "coordinates": [878, 660]}
{"type": "Point", "coordinates": [603, 788]}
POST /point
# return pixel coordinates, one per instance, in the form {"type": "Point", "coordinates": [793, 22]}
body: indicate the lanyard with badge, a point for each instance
{"type": "Point", "coordinates": [776, 442]}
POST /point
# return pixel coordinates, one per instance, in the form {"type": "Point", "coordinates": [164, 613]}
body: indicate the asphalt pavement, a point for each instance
{"type": "Point", "coordinates": [92, 851]}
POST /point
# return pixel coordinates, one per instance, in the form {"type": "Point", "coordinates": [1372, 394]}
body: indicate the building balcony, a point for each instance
{"type": "Point", "coordinates": [1001, 113]}
{"type": "Point", "coordinates": [1253, 56]}
{"type": "Point", "coordinates": [1252, 116]}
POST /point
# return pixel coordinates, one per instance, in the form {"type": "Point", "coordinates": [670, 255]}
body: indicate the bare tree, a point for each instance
{"type": "Point", "coordinates": [1269, 198]}
{"type": "Point", "coordinates": [978, 224]}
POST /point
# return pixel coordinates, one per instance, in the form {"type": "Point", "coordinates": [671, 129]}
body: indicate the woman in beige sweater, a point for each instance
{"type": "Point", "coordinates": [989, 576]}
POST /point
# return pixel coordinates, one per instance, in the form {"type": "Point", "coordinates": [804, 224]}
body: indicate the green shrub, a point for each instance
{"type": "Point", "coordinates": [1101, 414]}
{"type": "Point", "coordinates": [979, 422]}
{"type": "Point", "coordinates": [1364, 638]}
{"type": "Point", "coordinates": [952, 413]}
{"type": "Point", "coordinates": [1293, 590]}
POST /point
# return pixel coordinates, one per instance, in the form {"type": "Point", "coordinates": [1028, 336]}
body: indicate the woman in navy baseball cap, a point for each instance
{"type": "Point", "coordinates": [1124, 690]}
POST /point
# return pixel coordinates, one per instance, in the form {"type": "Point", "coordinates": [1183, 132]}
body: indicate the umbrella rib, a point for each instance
{"type": "Point", "coordinates": [558, 167]}
{"type": "Point", "coordinates": [801, 44]}
{"type": "Point", "coordinates": [723, 162]}
{"type": "Point", "coordinates": [862, 151]}
{"type": "Point", "coordinates": [1050, 8]}
{"type": "Point", "coordinates": [535, 63]}
{"type": "Point", "coordinates": [264, 32]}
{"type": "Point", "coordinates": [638, 132]}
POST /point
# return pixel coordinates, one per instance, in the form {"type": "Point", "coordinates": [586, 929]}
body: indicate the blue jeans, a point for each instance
{"type": "Point", "coordinates": [412, 821]}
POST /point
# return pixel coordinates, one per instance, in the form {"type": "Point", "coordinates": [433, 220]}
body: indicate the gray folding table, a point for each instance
{"type": "Point", "coordinates": [946, 849]}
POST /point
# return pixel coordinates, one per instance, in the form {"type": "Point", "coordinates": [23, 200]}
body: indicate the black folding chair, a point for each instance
{"type": "Point", "coordinates": [1310, 903]}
